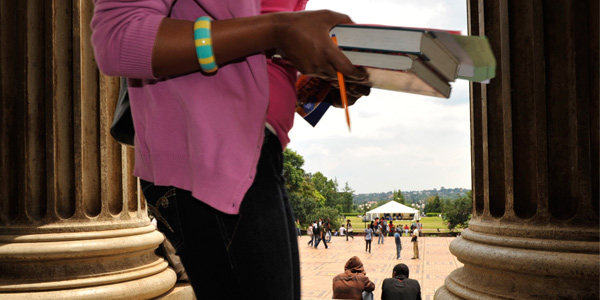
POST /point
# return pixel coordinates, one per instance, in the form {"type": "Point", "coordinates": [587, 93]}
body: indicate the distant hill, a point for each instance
{"type": "Point", "coordinates": [412, 196]}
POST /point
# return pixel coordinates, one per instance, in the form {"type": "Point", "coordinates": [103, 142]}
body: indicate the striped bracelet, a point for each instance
{"type": "Point", "coordinates": [203, 43]}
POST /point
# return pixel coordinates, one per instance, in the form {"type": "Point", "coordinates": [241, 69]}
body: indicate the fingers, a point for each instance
{"type": "Point", "coordinates": [305, 41]}
{"type": "Point", "coordinates": [341, 63]}
{"type": "Point", "coordinates": [353, 92]}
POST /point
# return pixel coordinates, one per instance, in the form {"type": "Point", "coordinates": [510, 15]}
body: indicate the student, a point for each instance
{"type": "Point", "coordinates": [322, 234]}
{"type": "Point", "coordinates": [380, 232]}
{"type": "Point", "coordinates": [298, 230]}
{"type": "Point", "coordinates": [419, 226]}
{"type": "Point", "coordinates": [350, 231]}
{"type": "Point", "coordinates": [316, 233]}
{"type": "Point", "coordinates": [353, 282]}
{"type": "Point", "coordinates": [400, 286]}
{"type": "Point", "coordinates": [310, 233]}
{"type": "Point", "coordinates": [368, 238]}
{"type": "Point", "coordinates": [202, 151]}
{"type": "Point", "coordinates": [415, 241]}
{"type": "Point", "coordinates": [398, 244]}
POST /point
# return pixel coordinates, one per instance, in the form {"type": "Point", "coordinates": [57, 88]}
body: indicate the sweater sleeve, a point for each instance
{"type": "Point", "coordinates": [123, 35]}
{"type": "Point", "coordinates": [369, 285]}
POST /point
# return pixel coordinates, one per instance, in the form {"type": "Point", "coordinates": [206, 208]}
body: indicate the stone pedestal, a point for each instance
{"type": "Point", "coordinates": [71, 223]}
{"type": "Point", "coordinates": [534, 233]}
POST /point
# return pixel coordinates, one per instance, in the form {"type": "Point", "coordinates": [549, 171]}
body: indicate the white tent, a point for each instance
{"type": "Point", "coordinates": [393, 209]}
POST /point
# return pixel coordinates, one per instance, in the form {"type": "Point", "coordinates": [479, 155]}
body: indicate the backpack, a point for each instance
{"type": "Point", "coordinates": [122, 127]}
{"type": "Point", "coordinates": [316, 230]}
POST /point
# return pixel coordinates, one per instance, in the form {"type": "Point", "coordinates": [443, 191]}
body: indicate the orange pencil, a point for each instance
{"type": "Point", "coordinates": [342, 89]}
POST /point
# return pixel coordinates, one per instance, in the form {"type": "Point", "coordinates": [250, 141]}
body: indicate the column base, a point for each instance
{"type": "Point", "coordinates": [503, 267]}
{"type": "Point", "coordinates": [109, 264]}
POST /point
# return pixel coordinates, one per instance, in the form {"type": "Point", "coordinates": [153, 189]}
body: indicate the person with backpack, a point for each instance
{"type": "Point", "coordinates": [320, 234]}
{"type": "Point", "coordinates": [310, 233]}
{"type": "Point", "coordinates": [210, 61]}
{"type": "Point", "coordinates": [327, 235]}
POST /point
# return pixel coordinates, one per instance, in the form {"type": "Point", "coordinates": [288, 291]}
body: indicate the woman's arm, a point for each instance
{"type": "Point", "coordinates": [303, 37]}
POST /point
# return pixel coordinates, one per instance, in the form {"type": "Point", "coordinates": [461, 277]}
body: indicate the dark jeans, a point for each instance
{"type": "Point", "coordinates": [319, 239]}
{"type": "Point", "coordinates": [252, 255]}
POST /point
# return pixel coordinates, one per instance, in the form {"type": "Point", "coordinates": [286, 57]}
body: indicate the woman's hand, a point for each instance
{"type": "Point", "coordinates": [303, 39]}
{"type": "Point", "coordinates": [353, 92]}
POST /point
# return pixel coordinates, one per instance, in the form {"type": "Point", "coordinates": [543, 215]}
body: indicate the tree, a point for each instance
{"type": "Point", "coordinates": [346, 198]}
{"type": "Point", "coordinates": [292, 170]}
{"type": "Point", "coordinates": [399, 197]}
{"type": "Point", "coordinates": [325, 213]}
{"type": "Point", "coordinates": [458, 212]}
{"type": "Point", "coordinates": [327, 188]}
{"type": "Point", "coordinates": [305, 201]}
{"type": "Point", "coordinates": [433, 204]}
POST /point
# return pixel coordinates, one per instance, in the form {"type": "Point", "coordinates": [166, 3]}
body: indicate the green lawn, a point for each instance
{"type": "Point", "coordinates": [430, 224]}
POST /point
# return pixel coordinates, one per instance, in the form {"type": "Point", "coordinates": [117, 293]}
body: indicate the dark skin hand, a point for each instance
{"type": "Point", "coordinates": [353, 92]}
{"type": "Point", "coordinates": [302, 37]}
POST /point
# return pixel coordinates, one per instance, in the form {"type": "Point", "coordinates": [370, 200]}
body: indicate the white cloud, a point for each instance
{"type": "Point", "coordinates": [398, 140]}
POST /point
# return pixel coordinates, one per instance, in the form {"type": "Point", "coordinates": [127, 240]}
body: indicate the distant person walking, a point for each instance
{"type": "Point", "coordinates": [380, 233]}
{"type": "Point", "coordinates": [368, 238]}
{"type": "Point", "coordinates": [398, 244]}
{"type": "Point", "coordinates": [298, 230]}
{"type": "Point", "coordinates": [316, 233]}
{"type": "Point", "coordinates": [327, 234]}
{"type": "Point", "coordinates": [349, 230]}
{"type": "Point", "coordinates": [309, 231]}
{"type": "Point", "coordinates": [322, 235]}
{"type": "Point", "coordinates": [415, 241]}
{"type": "Point", "coordinates": [420, 228]}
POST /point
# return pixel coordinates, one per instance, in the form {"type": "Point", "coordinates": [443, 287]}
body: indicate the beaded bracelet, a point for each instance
{"type": "Point", "coordinates": [203, 43]}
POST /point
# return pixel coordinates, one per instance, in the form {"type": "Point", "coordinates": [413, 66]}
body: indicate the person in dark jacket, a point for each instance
{"type": "Point", "coordinates": [353, 282]}
{"type": "Point", "coordinates": [400, 287]}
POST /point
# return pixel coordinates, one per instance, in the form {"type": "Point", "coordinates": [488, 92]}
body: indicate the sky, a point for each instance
{"type": "Point", "coordinates": [398, 140]}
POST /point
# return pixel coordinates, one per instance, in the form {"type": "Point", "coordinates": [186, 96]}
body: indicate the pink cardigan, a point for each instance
{"type": "Point", "coordinates": [282, 79]}
{"type": "Point", "coordinates": [199, 133]}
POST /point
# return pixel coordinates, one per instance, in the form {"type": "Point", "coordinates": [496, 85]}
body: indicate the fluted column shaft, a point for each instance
{"type": "Point", "coordinates": [534, 233]}
{"type": "Point", "coordinates": [71, 223]}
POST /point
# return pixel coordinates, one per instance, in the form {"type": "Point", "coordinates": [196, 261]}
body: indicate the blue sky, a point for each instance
{"type": "Point", "coordinates": [398, 140]}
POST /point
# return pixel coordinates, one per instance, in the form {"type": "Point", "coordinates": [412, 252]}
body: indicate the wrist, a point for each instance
{"type": "Point", "coordinates": [280, 25]}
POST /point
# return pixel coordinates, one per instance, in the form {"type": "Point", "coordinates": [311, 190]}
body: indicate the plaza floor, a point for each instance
{"type": "Point", "coordinates": [319, 266]}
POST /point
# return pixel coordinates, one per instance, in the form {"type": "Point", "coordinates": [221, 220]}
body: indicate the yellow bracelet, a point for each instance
{"type": "Point", "coordinates": [203, 42]}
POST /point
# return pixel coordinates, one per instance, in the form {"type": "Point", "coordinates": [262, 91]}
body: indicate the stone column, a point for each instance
{"type": "Point", "coordinates": [71, 223]}
{"type": "Point", "coordinates": [534, 232]}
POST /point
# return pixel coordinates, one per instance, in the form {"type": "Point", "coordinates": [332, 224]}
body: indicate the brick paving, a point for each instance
{"type": "Point", "coordinates": [319, 266]}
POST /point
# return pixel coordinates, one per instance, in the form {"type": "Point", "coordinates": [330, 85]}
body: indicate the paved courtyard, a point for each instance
{"type": "Point", "coordinates": [319, 266]}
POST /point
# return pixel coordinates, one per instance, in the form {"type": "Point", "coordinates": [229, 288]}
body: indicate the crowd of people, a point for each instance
{"type": "Point", "coordinates": [320, 230]}
{"type": "Point", "coordinates": [353, 283]}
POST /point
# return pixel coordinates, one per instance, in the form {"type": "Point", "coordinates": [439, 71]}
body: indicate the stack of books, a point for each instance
{"type": "Point", "coordinates": [414, 60]}
{"type": "Point", "coordinates": [411, 60]}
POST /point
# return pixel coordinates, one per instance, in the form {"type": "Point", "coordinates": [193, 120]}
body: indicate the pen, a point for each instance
{"type": "Point", "coordinates": [342, 88]}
